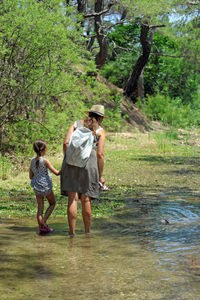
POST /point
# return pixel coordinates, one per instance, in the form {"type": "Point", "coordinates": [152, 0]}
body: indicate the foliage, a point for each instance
{"type": "Point", "coordinates": [151, 9]}
{"type": "Point", "coordinates": [169, 111]}
{"type": "Point", "coordinates": [53, 123]}
{"type": "Point", "coordinates": [37, 53]}
{"type": "Point", "coordinates": [44, 62]}
{"type": "Point", "coordinates": [124, 50]}
{"type": "Point", "coordinates": [185, 28]}
{"type": "Point", "coordinates": [44, 82]}
{"type": "Point", "coordinates": [167, 70]}
{"type": "Point", "coordinates": [140, 162]}
{"type": "Point", "coordinates": [172, 75]}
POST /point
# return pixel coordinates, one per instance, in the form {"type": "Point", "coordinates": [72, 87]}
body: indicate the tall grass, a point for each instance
{"type": "Point", "coordinates": [170, 111]}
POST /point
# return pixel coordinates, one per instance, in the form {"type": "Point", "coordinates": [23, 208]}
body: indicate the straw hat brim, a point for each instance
{"type": "Point", "coordinates": [101, 115]}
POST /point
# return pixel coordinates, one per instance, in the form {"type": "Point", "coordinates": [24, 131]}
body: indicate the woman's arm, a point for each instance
{"type": "Point", "coordinates": [67, 138]}
{"type": "Point", "coordinates": [100, 154]}
{"type": "Point", "coordinates": [51, 168]}
{"type": "Point", "coordinates": [31, 175]}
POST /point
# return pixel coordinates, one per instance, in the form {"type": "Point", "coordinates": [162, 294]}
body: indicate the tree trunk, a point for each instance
{"type": "Point", "coordinates": [82, 6]}
{"type": "Point", "coordinates": [146, 41]}
{"type": "Point", "coordinates": [140, 85]}
{"type": "Point", "coordinates": [101, 37]}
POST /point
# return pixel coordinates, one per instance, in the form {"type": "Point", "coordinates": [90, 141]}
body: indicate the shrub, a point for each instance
{"type": "Point", "coordinates": [169, 111]}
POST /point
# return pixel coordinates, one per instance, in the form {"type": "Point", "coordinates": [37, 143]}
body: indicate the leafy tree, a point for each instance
{"type": "Point", "coordinates": [123, 53]}
{"type": "Point", "coordinates": [39, 45]}
{"type": "Point", "coordinates": [151, 16]}
{"type": "Point", "coordinates": [167, 70]}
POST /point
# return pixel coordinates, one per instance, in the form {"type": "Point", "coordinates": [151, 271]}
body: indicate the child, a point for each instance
{"type": "Point", "coordinates": [42, 184]}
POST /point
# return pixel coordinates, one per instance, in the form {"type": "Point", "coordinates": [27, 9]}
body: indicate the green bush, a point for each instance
{"type": "Point", "coordinates": [169, 111]}
{"type": "Point", "coordinates": [118, 71]}
{"type": "Point", "coordinates": [52, 122]}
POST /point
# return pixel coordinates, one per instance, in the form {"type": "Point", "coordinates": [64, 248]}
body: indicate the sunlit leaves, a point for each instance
{"type": "Point", "coordinates": [39, 42]}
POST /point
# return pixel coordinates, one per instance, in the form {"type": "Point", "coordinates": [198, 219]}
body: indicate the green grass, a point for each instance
{"type": "Point", "coordinates": [134, 163]}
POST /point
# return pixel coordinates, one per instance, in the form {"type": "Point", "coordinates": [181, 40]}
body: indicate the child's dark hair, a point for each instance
{"type": "Point", "coordinates": [38, 147]}
{"type": "Point", "coordinates": [91, 121]}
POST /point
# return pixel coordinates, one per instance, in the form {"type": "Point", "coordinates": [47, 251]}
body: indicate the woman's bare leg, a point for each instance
{"type": "Point", "coordinates": [86, 212]}
{"type": "Point", "coordinates": [72, 211]}
{"type": "Point", "coordinates": [52, 203]}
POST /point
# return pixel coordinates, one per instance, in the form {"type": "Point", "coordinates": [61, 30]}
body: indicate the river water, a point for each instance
{"type": "Point", "coordinates": [148, 250]}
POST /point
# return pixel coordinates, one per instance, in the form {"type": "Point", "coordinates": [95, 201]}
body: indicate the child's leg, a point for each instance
{"type": "Point", "coordinates": [51, 199]}
{"type": "Point", "coordinates": [40, 202]}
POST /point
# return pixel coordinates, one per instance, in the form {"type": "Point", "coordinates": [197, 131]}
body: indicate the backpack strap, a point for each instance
{"type": "Point", "coordinates": [78, 124]}
{"type": "Point", "coordinates": [99, 129]}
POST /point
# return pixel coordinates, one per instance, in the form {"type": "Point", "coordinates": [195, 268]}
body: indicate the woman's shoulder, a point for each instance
{"type": "Point", "coordinates": [101, 131]}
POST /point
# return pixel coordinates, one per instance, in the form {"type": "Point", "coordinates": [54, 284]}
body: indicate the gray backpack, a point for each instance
{"type": "Point", "coordinates": [80, 146]}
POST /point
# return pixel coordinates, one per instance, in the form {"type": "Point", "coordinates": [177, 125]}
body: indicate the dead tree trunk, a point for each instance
{"type": "Point", "coordinates": [146, 38]}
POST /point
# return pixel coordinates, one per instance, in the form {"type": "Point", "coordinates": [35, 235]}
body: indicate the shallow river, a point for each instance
{"type": "Point", "coordinates": [132, 255]}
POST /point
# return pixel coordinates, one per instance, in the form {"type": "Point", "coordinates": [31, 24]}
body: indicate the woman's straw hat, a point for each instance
{"type": "Point", "coordinates": [97, 109]}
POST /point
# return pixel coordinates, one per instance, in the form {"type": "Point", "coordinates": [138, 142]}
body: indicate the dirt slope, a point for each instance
{"type": "Point", "coordinates": [134, 117]}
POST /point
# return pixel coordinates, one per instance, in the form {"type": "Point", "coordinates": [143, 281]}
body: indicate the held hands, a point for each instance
{"type": "Point", "coordinates": [102, 180]}
{"type": "Point", "coordinates": [59, 172]}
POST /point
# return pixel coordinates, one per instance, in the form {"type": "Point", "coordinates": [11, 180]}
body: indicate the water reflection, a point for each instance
{"type": "Point", "coordinates": [133, 255]}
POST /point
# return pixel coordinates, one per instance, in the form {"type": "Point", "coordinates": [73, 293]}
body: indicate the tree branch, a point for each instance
{"type": "Point", "coordinates": [2, 106]}
{"type": "Point", "coordinates": [98, 14]}
{"type": "Point", "coordinates": [123, 48]}
{"type": "Point", "coordinates": [89, 36]}
{"type": "Point", "coordinates": [113, 25]}
{"type": "Point", "coordinates": [156, 26]}
{"type": "Point", "coordinates": [35, 121]}
{"type": "Point", "coordinates": [168, 55]}
{"type": "Point", "coordinates": [192, 3]}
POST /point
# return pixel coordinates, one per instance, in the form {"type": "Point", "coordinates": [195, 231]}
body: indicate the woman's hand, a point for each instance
{"type": "Point", "coordinates": [102, 180]}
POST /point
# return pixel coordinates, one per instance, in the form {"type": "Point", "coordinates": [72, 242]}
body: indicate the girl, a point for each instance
{"type": "Point", "coordinates": [42, 184]}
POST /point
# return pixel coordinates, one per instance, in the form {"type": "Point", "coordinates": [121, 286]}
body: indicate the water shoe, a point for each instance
{"type": "Point", "coordinates": [46, 229]}
{"type": "Point", "coordinates": [102, 187]}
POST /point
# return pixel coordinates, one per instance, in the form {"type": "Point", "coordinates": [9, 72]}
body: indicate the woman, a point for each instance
{"type": "Point", "coordinates": [83, 183]}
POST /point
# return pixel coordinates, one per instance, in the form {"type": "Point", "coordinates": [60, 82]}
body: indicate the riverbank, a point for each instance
{"type": "Point", "coordinates": [159, 160]}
